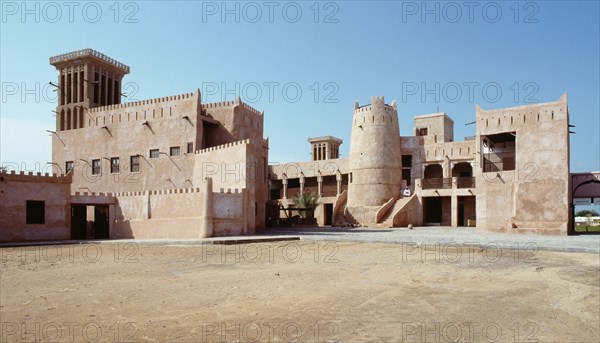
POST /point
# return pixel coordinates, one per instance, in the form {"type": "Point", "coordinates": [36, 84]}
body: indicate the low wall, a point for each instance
{"type": "Point", "coordinates": [178, 214]}
{"type": "Point", "coordinates": [16, 189]}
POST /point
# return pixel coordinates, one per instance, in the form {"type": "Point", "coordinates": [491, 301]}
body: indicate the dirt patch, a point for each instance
{"type": "Point", "coordinates": [298, 291]}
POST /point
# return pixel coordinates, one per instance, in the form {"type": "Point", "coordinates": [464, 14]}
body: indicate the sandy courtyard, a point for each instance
{"type": "Point", "coordinates": [298, 291]}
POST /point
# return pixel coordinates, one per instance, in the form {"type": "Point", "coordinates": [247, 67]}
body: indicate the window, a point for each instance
{"type": "Point", "coordinates": [96, 167]}
{"type": "Point", "coordinates": [422, 131]}
{"type": "Point", "coordinates": [175, 151]}
{"type": "Point", "coordinates": [35, 211]}
{"type": "Point", "coordinates": [190, 148]}
{"type": "Point", "coordinates": [406, 161]}
{"type": "Point", "coordinates": [114, 165]}
{"type": "Point", "coordinates": [154, 153]}
{"type": "Point", "coordinates": [135, 164]}
{"type": "Point", "coordinates": [498, 152]}
{"type": "Point", "coordinates": [68, 166]}
{"type": "Point", "coordinates": [406, 168]}
{"type": "Point", "coordinates": [406, 175]}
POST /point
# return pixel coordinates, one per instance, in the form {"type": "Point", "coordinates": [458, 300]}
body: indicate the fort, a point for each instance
{"type": "Point", "coordinates": [174, 167]}
{"type": "Point", "coordinates": [512, 176]}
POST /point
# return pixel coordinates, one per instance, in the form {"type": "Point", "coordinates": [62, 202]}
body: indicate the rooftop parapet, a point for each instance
{"type": "Point", "coordinates": [236, 102]}
{"type": "Point", "coordinates": [156, 192]}
{"type": "Point", "coordinates": [376, 101]}
{"type": "Point", "coordinates": [223, 146]}
{"type": "Point", "coordinates": [142, 102]}
{"type": "Point", "coordinates": [35, 177]}
{"type": "Point", "coordinates": [83, 53]}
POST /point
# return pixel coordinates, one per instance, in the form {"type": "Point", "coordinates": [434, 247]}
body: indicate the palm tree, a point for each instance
{"type": "Point", "coordinates": [306, 200]}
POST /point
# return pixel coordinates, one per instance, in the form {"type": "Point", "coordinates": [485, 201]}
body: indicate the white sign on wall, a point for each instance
{"type": "Point", "coordinates": [596, 201]}
{"type": "Point", "coordinates": [582, 201]}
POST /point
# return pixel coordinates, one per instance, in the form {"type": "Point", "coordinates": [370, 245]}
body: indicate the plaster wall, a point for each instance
{"type": "Point", "coordinates": [535, 196]}
{"type": "Point", "coordinates": [16, 189]}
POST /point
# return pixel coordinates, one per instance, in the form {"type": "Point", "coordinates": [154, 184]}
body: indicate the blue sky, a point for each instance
{"type": "Point", "coordinates": [427, 56]}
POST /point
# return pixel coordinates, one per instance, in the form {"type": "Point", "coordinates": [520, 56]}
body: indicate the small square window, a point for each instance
{"type": "Point", "coordinates": [96, 167]}
{"type": "Point", "coordinates": [35, 211]}
{"type": "Point", "coordinates": [190, 148]}
{"type": "Point", "coordinates": [114, 165]}
{"type": "Point", "coordinates": [422, 131]}
{"type": "Point", "coordinates": [406, 161]}
{"type": "Point", "coordinates": [154, 153]}
{"type": "Point", "coordinates": [135, 164]}
{"type": "Point", "coordinates": [175, 151]}
{"type": "Point", "coordinates": [68, 167]}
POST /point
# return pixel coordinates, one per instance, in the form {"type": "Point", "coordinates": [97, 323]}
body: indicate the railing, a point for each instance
{"type": "Point", "coordinates": [498, 161]}
{"type": "Point", "coordinates": [469, 138]}
{"type": "Point", "coordinates": [466, 182]}
{"type": "Point", "coordinates": [437, 183]}
{"type": "Point", "coordinates": [86, 53]}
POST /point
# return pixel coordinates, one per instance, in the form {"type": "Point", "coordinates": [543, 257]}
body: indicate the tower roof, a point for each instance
{"type": "Point", "coordinates": [325, 139]}
{"type": "Point", "coordinates": [88, 53]}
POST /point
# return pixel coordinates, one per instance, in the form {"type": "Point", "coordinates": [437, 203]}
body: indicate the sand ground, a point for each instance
{"type": "Point", "coordinates": [298, 291]}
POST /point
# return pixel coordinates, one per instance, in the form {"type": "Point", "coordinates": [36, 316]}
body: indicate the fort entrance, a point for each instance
{"type": "Point", "coordinates": [89, 221]}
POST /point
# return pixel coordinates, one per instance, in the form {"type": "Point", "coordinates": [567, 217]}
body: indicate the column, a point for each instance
{"type": "Point", "coordinates": [284, 181]}
{"type": "Point", "coordinates": [67, 87]}
{"type": "Point", "coordinates": [109, 95]}
{"type": "Point", "coordinates": [86, 90]}
{"type": "Point", "coordinates": [73, 90]}
{"type": "Point", "coordinates": [454, 211]}
{"type": "Point", "coordinates": [301, 182]}
{"type": "Point", "coordinates": [327, 151]}
{"type": "Point", "coordinates": [61, 86]}
{"type": "Point", "coordinates": [319, 184]}
{"type": "Point", "coordinates": [207, 212]}
{"type": "Point", "coordinates": [118, 92]}
{"type": "Point", "coordinates": [446, 168]}
{"type": "Point", "coordinates": [338, 179]}
{"type": "Point", "coordinates": [105, 87]}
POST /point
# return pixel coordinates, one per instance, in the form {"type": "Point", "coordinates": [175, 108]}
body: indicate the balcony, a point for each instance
{"type": "Point", "coordinates": [437, 183]}
{"type": "Point", "coordinates": [447, 183]}
{"type": "Point", "coordinates": [494, 162]}
{"type": "Point", "coordinates": [466, 182]}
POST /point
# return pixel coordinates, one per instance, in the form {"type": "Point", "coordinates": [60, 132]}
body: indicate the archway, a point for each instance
{"type": "Point", "coordinates": [585, 193]}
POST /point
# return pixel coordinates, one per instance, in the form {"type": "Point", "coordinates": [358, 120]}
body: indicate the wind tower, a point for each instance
{"type": "Point", "coordinates": [86, 79]}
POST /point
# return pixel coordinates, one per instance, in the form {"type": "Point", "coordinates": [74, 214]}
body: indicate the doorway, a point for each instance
{"type": "Point", "coordinates": [328, 208]}
{"type": "Point", "coordinates": [432, 210]}
{"type": "Point", "coordinates": [78, 222]}
{"type": "Point", "coordinates": [89, 222]}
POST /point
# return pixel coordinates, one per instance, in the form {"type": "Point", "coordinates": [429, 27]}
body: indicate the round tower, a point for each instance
{"type": "Point", "coordinates": [375, 159]}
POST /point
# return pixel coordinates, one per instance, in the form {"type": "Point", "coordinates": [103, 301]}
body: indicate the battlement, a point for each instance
{"type": "Point", "coordinates": [141, 103]}
{"type": "Point", "coordinates": [35, 177]}
{"type": "Point", "coordinates": [83, 53]}
{"type": "Point", "coordinates": [223, 146]}
{"type": "Point", "coordinates": [252, 109]}
{"type": "Point", "coordinates": [236, 102]}
{"type": "Point", "coordinates": [377, 103]}
{"type": "Point", "coordinates": [218, 104]}
{"type": "Point", "coordinates": [528, 116]}
{"type": "Point", "coordinates": [157, 192]}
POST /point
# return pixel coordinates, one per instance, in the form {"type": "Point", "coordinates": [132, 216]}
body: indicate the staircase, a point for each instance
{"type": "Point", "coordinates": [339, 217]}
{"type": "Point", "coordinates": [388, 219]}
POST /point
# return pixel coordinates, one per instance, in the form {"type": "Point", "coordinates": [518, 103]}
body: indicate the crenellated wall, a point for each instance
{"type": "Point", "coordinates": [178, 214]}
{"type": "Point", "coordinates": [534, 197]}
{"type": "Point", "coordinates": [16, 189]}
{"type": "Point", "coordinates": [128, 130]}
{"type": "Point", "coordinates": [235, 165]}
